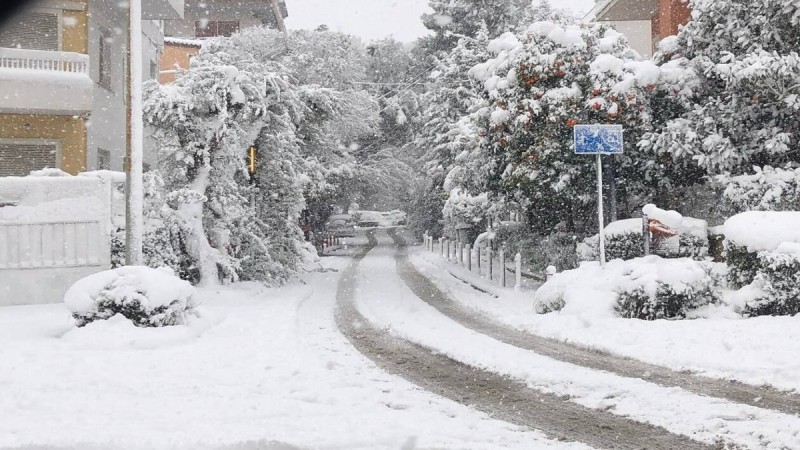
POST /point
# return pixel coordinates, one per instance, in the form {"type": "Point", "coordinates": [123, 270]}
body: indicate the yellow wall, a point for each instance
{"type": "Point", "coordinates": [76, 38]}
{"type": "Point", "coordinates": [70, 131]}
{"type": "Point", "coordinates": [175, 55]}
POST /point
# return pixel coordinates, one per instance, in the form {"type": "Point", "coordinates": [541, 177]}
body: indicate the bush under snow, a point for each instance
{"type": "Point", "coordinates": [147, 297]}
{"type": "Point", "coordinates": [751, 232]}
{"type": "Point", "coordinates": [646, 288]}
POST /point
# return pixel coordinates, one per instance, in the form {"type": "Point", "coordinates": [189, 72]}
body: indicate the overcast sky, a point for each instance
{"type": "Point", "coordinates": [375, 19]}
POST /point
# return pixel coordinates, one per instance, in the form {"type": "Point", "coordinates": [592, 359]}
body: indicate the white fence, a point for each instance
{"type": "Point", "coordinates": [496, 266]}
{"type": "Point", "coordinates": [13, 58]}
{"type": "Point", "coordinates": [53, 231]}
{"type": "Point", "coordinates": [51, 245]}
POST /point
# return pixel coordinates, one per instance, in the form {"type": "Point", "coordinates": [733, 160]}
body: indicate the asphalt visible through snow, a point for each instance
{"type": "Point", "coordinates": [758, 396]}
{"type": "Point", "coordinates": [498, 396]}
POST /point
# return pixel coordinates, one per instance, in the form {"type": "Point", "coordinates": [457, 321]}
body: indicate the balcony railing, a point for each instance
{"type": "Point", "coordinates": [39, 60]}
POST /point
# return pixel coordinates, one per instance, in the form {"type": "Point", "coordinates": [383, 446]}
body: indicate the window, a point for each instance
{"type": "Point", "coordinates": [103, 159]}
{"type": "Point", "coordinates": [104, 60]}
{"type": "Point", "coordinates": [212, 28]}
{"type": "Point", "coordinates": [20, 158]}
{"type": "Point", "coordinates": [35, 30]}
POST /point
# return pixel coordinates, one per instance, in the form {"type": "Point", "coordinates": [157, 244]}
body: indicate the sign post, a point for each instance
{"type": "Point", "coordinates": [599, 140]}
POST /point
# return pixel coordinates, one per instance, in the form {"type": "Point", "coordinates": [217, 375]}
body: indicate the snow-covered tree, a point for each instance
{"type": "Point", "coordinates": [454, 19]}
{"type": "Point", "coordinates": [559, 75]}
{"type": "Point", "coordinates": [452, 95]}
{"type": "Point", "coordinates": [746, 83]}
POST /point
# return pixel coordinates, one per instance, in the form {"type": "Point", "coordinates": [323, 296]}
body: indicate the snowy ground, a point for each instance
{"type": "Point", "coordinates": [758, 351]}
{"type": "Point", "coordinates": [261, 366]}
{"type": "Point", "coordinates": [388, 303]}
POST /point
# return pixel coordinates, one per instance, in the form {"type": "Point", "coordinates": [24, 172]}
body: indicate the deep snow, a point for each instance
{"type": "Point", "coordinates": [760, 350]}
{"type": "Point", "coordinates": [388, 303]}
{"type": "Point", "coordinates": [258, 365]}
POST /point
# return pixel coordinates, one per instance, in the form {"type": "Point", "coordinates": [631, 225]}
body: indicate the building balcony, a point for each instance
{"type": "Point", "coordinates": [44, 82]}
{"type": "Point", "coordinates": [162, 9]}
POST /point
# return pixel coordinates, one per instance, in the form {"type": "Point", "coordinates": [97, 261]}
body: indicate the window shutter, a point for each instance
{"type": "Point", "coordinates": [19, 159]}
{"type": "Point", "coordinates": [33, 30]}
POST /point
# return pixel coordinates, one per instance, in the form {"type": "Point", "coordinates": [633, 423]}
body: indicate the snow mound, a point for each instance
{"type": "Point", "coordinates": [624, 226]}
{"type": "Point", "coordinates": [148, 297]}
{"type": "Point", "coordinates": [595, 291]}
{"type": "Point", "coordinates": [763, 230]}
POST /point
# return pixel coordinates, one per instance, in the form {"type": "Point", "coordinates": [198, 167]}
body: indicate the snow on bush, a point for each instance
{"type": "Point", "coordinates": [147, 297]}
{"type": "Point", "coordinates": [537, 251]}
{"type": "Point", "coordinates": [646, 288]}
{"type": "Point", "coordinates": [768, 189]}
{"type": "Point", "coordinates": [751, 232]}
{"type": "Point", "coordinates": [623, 241]}
{"type": "Point", "coordinates": [777, 284]}
{"type": "Point", "coordinates": [624, 238]}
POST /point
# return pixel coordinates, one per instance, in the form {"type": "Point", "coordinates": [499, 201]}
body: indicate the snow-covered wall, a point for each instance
{"type": "Point", "coordinates": [53, 231]}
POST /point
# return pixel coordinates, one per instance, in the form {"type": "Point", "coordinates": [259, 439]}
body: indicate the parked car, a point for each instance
{"type": "Point", "coordinates": [341, 225]}
{"type": "Point", "coordinates": [370, 219]}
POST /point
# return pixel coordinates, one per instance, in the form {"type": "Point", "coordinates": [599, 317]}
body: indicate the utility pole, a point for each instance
{"type": "Point", "coordinates": [134, 191]}
{"type": "Point", "coordinates": [276, 10]}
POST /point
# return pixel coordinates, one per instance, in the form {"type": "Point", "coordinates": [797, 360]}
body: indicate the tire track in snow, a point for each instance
{"type": "Point", "coordinates": [496, 395]}
{"type": "Point", "coordinates": [757, 396]}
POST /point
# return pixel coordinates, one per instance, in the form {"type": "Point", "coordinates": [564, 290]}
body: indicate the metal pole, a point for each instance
{"type": "Point", "coordinates": [490, 268]}
{"type": "Point", "coordinates": [134, 201]}
{"type": "Point", "coordinates": [503, 267]}
{"type": "Point", "coordinates": [600, 210]}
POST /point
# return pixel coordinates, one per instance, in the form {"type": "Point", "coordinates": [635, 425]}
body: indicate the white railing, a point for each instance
{"type": "Point", "coordinates": [41, 60]}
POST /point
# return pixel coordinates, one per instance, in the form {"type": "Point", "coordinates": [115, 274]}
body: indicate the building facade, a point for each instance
{"type": "Point", "coordinates": [644, 22]}
{"type": "Point", "coordinates": [63, 82]}
{"type": "Point", "coordinates": [212, 18]}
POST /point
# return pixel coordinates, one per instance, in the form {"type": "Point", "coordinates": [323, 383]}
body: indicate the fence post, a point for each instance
{"type": "Point", "coordinates": [469, 257]}
{"type": "Point", "coordinates": [458, 252]}
{"type": "Point", "coordinates": [490, 268]}
{"type": "Point", "coordinates": [441, 246]}
{"type": "Point", "coordinates": [518, 271]}
{"type": "Point", "coordinates": [646, 234]}
{"type": "Point", "coordinates": [502, 267]}
{"type": "Point", "coordinates": [447, 257]}
{"type": "Point", "coordinates": [550, 272]}
{"type": "Point", "coordinates": [480, 256]}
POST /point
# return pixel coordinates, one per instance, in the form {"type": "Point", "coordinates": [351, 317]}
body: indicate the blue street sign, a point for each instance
{"type": "Point", "coordinates": [598, 139]}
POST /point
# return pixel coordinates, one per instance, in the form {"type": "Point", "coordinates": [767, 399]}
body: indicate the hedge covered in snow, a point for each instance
{"type": "Point", "coordinates": [779, 283]}
{"type": "Point", "coordinates": [147, 297]}
{"type": "Point", "coordinates": [768, 189]}
{"type": "Point", "coordinates": [646, 288]}
{"type": "Point", "coordinates": [749, 233]}
{"type": "Point", "coordinates": [624, 238]}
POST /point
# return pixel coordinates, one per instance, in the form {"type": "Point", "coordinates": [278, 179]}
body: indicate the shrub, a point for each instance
{"type": "Point", "coordinates": [147, 297]}
{"type": "Point", "coordinates": [624, 246]}
{"type": "Point", "coordinates": [668, 301]}
{"type": "Point", "coordinates": [779, 280]}
{"type": "Point", "coordinates": [743, 265]}
{"type": "Point", "coordinates": [646, 288]}
{"type": "Point", "coordinates": [693, 246]}
{"type": "Point", "coordinates": [538, 252]}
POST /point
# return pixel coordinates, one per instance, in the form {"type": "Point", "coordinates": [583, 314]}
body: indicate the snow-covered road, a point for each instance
{"type": "Point", "coordinates": [384, 300]}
